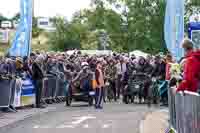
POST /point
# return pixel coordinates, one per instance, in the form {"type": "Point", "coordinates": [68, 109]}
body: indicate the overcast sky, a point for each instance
{"type": "Point", "coordinates": [45, 8]}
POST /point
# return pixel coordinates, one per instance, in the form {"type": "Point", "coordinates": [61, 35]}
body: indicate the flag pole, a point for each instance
{"type": "Point", "coordinates": [30, 40]}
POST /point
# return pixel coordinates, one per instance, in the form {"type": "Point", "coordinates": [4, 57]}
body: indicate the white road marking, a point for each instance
{"type": "Point", "coordinates": [78, 120]}
{"type": "Point", "coordinates": [86, 126]}
{"type": "Point", "coordinates": [164, 110]}
{"type": "Point", "coordinates": [65, 126]}
{"type": "Point", "coordinates": [36, 126]}
{"type": "Point", "coordinates": [41, 127]}
{"type": "Point", "coordinates": [82, 119]}
{"type": "Point", "coordinates": [142, 126]}
{"type": "Point", "coordinates": [106, 126]}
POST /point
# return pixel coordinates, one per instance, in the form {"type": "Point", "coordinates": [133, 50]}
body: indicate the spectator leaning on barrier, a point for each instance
{"type": "Point", "coordinates": [191, 76]}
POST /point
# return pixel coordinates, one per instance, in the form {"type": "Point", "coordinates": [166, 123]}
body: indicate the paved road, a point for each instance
{"type": "Point", "coordinates": [114, 118]}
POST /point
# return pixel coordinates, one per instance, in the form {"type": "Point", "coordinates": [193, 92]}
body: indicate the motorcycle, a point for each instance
{"type": "Point", "coordinates": [77, 94]}
{"type": "Point", "coordinates": [135, 88]}
{"type": "Point", "coordinates": [108, 93]}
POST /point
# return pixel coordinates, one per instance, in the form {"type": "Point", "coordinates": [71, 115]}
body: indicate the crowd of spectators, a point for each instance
{"type": "Point", "coordinates": [115, 68]}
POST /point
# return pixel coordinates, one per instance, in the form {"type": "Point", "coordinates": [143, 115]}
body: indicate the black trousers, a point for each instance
{"type": "Point", "coordinates": [118, 84]}
{"type": "Point", "coordinates": [113, 87]}
{"type": "Point", "coordinates": [38, 87]}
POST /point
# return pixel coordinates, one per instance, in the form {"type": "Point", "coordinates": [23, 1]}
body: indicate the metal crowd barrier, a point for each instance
{"type": "Point", "coordinates": [10, 89]}
{"type": "Point", "coordinates": [7, 92]}
{"type": "Point", "coordinates": [185, 112]}
{"type": "Point", "coordinates": [53, 88]}
{"type": "Point", "coordinates": [172, 108]}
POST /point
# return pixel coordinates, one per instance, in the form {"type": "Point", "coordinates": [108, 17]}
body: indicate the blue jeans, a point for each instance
{"type": "Point", "coordinates": [98, 97]}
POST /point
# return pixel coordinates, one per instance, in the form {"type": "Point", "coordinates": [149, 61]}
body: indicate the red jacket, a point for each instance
{"type": "Point", "coordinates": [191, 73]}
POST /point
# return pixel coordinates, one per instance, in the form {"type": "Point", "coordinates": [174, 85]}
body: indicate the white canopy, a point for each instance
{"type": "Point", "coordinates": [138, 53]}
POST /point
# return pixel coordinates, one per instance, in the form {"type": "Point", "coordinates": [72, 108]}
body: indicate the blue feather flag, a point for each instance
{"type": "Point", "coordinates": [22, 41]}
{"type": "Point", "coordinates": [174, 26]}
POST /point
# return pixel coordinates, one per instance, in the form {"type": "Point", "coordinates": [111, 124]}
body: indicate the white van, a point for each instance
{"type": "Point", "coordinates": [6, 24]}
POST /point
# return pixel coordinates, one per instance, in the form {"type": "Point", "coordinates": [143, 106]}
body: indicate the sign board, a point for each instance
{"type": "Point", "coordinates": [194, 33]}
{"type": "Point", "coordinates": [17, 93]}
{"type": "Point", "coordinates": [27, 93]}
{"type": "Point", "coordinates": [45, 24]}
{"type": "Point", "coordinates": [4, 36]}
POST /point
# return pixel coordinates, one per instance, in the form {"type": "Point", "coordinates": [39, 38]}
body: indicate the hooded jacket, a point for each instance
{"type": "Point", "coordinates": [191, 76]}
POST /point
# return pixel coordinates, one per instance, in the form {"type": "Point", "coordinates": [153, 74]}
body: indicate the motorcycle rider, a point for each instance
{"type": "Point", "coordinates": [145, 67]}
{"type": "Point", "coordinates": [159, 69]}
{"type": "Point", "coordinates": [83, 77]}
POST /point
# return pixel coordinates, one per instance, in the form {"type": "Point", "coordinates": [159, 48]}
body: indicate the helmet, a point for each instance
{"type": "Point", "coordinates": [84, 64]}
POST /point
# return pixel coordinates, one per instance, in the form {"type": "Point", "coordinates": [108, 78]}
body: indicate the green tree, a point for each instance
{"type": "Point", "coordinates": [35, 30]}
{"type": "Point", "coordinates": [191, 8]}
{"type": "Point", "coordinates": [139, 24]}
{"type": "Point", "coordinates": [129, 24]}
{"type": "Point", "coordinates": [101, 18]}
{"type": "Point", "coordinates": [2, 18]}
{"type": "Point", "coordinates": [65, 37]}
{"type": "Point", "coordinates": [16, 17]}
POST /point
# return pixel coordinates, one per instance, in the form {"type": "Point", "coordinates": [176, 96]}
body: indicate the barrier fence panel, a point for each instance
{"type": "Point", "coordinates": [12, 94]}
{"type": "Point", "coordinates": [185, 112]}
{"type": "Point", "coordinates": [52, 83]}
{"type": "Point", "coordinates": [44, 88]}
{"type": "Point", "coordinates": [53, 87]}
{"type": "Point", "coordinates": [57, 86]}
{"type": "Point", "coordinates": [61, 86]}
{"type": "Point", "coordinates": [6, 87]}
{"type": "Point", "coordinates": [180, 114]}
{"type": "Point", "coordinates": [172, 108]}
{"type": "Point", "coordinates": [189, 108]}
{"type": "Point", "coordinates": [17, 92]}
{"type": "Point", "coordinates": [28, 92]}
{"type": "Point", "coordinates": [49, 87]}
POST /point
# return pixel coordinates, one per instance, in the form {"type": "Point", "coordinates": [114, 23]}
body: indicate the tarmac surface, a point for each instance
{"type": "Point", "coordinates": [113, 118]}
